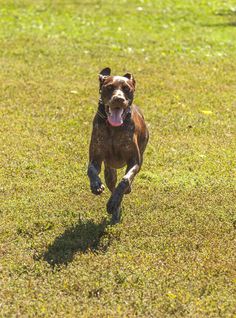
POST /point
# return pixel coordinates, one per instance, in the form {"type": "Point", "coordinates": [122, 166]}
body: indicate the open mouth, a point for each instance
{"type": "Point", "coordinates": [114, 116]}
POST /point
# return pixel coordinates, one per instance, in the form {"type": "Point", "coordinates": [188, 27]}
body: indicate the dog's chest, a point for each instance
{"type": "Point", "coordinates": [114, 145]}
{"type": "Point", "coordinates": [118, 146]}
{"type": "Point", "coordinates": [118, 140]}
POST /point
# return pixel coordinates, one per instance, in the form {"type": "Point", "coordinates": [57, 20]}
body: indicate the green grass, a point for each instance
{"type": "Point", "coordinates": [173, 255]}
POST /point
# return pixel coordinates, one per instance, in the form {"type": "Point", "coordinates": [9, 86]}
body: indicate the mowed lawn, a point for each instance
{"type": "Point", "coordinates": [174, 253]}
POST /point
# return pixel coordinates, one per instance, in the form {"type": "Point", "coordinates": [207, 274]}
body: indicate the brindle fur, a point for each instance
{"type": "Point", "coordinates": [116, 146]}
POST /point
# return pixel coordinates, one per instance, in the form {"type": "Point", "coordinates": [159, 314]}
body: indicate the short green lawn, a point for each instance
{"type": "Point", "coordinates": [174, 254]}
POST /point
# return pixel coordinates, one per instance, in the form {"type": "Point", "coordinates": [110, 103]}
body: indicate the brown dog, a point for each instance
{"type": "Point", "coordinates": [119, 138]}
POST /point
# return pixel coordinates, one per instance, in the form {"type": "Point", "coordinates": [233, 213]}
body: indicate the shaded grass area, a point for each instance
{"type": "Point", "coordinates": [82, 237]}
{"type": "Point", "coordinates": [174, 252]}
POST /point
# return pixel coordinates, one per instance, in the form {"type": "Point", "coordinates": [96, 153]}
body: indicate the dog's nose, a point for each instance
{"type": "Point", "coordinates": [118, 98]}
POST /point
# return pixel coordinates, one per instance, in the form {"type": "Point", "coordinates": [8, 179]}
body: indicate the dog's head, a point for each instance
{"type": "Point", "coordinates": [117, 93]}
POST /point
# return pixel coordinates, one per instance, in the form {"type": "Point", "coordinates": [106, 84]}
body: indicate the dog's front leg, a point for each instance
{"type": "Point", "coordinates": [113, 205]}
{"type": "Point", "coordinates": [94, 169]}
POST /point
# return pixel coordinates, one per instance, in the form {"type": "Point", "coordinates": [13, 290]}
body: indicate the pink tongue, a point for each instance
{"type": "Point", "coordinates": [115, 117]}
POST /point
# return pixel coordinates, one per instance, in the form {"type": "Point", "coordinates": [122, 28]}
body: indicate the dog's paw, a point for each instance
{"type": "Point", "coordinates": [127, 190]}
{"type": "Point", "coordinates": [116, 216]}
{"type": "Point", "coordinates": [113, 204]}
{"type": "Point", "coordinates": [97, 187]}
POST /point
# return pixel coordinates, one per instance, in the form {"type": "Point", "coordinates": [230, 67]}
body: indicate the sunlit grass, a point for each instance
{"type": "Point", "coordinates": [174, 252]}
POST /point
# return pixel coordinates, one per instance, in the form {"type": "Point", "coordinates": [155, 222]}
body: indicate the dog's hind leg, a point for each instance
{"type": "Point", "coordinates": [114, 202]}
{"type": "Point", "coordinates": [111, 179]}
{"type": "Point", "coordinates": [110, 175]}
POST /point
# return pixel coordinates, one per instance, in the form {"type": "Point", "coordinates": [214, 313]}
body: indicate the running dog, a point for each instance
{"type": "Point", "coordinates": [119, 139]}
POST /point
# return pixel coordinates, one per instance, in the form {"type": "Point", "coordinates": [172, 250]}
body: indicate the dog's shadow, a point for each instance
{"type": "Point", "coordinates": [82, 237]}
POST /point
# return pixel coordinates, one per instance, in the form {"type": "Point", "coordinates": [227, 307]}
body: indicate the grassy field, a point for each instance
{"type": "Point", "coordinates": [174, 254]}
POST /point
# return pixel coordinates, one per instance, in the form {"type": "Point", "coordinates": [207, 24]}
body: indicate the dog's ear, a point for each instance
{"type": "Point", "coordinates": [103, 75]}
{"type": "Point", "coordinates": [130, 77]}
{"type": "Point", "coordinates": [106, 71]}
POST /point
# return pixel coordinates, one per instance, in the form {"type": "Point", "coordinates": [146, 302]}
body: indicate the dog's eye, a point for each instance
{"type": "Point", "coordinates": [109, 87]}
{"type": "Point", "coordinates": [126, 89]}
